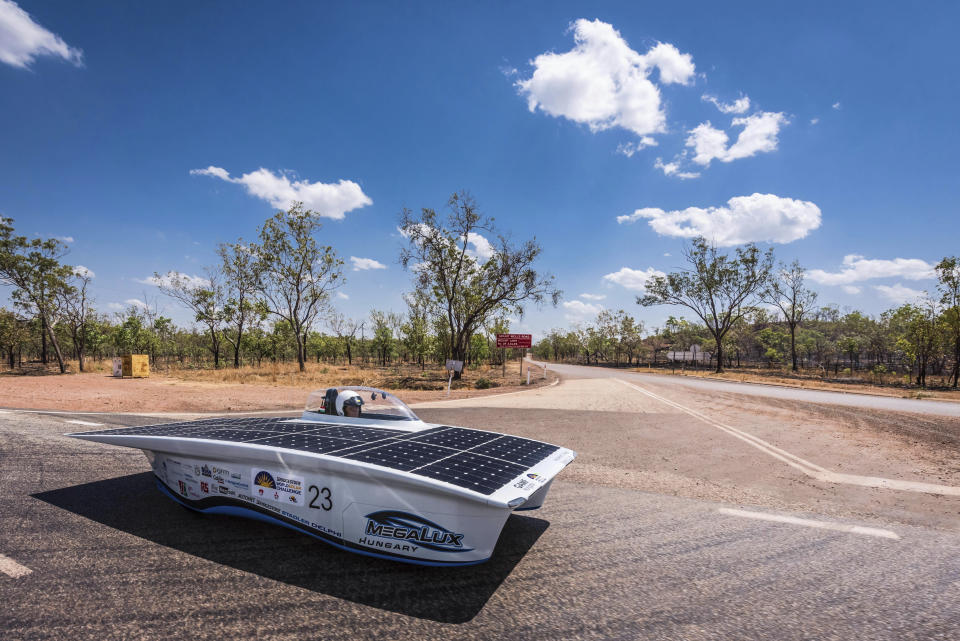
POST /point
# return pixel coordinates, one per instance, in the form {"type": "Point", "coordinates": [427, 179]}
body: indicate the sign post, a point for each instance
{"type": "Point", "coordinates": [514, 341]}
{"type": "Point", "coordinates": [452, 366]}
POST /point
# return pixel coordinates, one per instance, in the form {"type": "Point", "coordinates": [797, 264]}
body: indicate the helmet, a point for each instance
{"type": "Point", "coordinates": [347, 397]}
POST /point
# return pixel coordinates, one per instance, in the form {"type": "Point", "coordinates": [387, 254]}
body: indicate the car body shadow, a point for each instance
{"type": "Point", "coordinates": [449, 595]}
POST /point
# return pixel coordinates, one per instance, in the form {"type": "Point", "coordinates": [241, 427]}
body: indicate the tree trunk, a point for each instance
{"type": "Point", "coordinates": [56, 347]}
{"type": "Point", "coordinates": [719, 369]}
{"type": "Point", "coordinates": [43, 339]}
{"type": "Point", "coordinates": [793, 345]}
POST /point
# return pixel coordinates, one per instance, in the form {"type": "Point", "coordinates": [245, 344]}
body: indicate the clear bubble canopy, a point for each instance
{"type": "Point", "coordinates": [372, 404]}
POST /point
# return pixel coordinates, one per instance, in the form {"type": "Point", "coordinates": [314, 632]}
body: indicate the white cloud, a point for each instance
{"type": "Point", "coordinates": [852, 289]}
{"type": "Point", "coordinates": [363, 264]}
{"type": "Point", "coordinates": [114, 306]}
{"type": "Point", "coordinates": [667, 254]}
{"type": "Point", "coordinates": [900, 293]}
{"type": "Point", "coordinates": [578, 310]}
{"type": "Point", "coordinates": [135, 302]}
{"type": "Point", "coordinates": [836, 105]}
{"type": "Point", "coordinates": [754, 218]}
{"type": "Point", "coordinates": [166, 280]}
{"type": "Point", "coordinates": [634, 279]}
{"type": "Point", "coordinates": [856, 268]}
{"type": "Point", "coordinates": [603, 83]}
{"type": "Point", "coordinates": [673, 169]}
{"type": "Point", "coordinates": [814, 121]}
{"type": "Point", "coordinates": [83, 272]}
{"type": "Point", "coordinates": [739, 106]}
{"type": "Point", "coordinates": [479, 247]}
{"type": "Point", "coordinates": [342, 296]}
{"type": "Point", "coordinates": [329, 200]}
{"type": "Point", "coordinates": [630, 148]}
{"type": "Point", "coordinates": [759, 135]}
{"type": "Point", "coordinates": [22, 40]}
{"type": "Point", "coordinates": [593, 296]}
{"type": "Point", "coordinates": [64, 239]}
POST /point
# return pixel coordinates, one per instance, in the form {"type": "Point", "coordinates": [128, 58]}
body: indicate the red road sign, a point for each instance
{"type": "Point", "coordinates": [514, 341]}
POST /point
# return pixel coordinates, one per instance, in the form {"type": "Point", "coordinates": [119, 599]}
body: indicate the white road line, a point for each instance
{"type": "Point", "coordinates": [823, 525]}
{"type": "Point", "coordinates": [794, 461]}
{"type": "Point", "coordinates": [13, 569]}
{"type": "Point", "coordinates": [76, 422]}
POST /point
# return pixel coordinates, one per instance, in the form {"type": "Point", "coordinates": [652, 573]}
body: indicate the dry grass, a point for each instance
{"type": "Point", "coordinates": [889, 385]}
{"type": "Point", "coordinates": [320, 375]}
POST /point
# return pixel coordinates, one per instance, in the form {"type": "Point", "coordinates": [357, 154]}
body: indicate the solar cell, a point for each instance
{"type": "Point", "coordinates": [363, 434]}
{"type": "Point", "coordinates": [400, 455]}
{"type": "Point", "coordinates": [473, 471]}
{"type": "Point", "coordinates": [317, 444]}
{"type": "Point", "coordinates": [516, 450]}
{"type": "Point", "coordinates": [457, 438]}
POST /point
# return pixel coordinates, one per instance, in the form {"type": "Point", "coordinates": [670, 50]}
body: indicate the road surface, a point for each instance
{"type": "Point", "coordinates": [686, 516]}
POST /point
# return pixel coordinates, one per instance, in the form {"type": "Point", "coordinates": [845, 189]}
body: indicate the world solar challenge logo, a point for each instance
{"type": "Point", "coordinates": [264, 481]}
{"type": "Point", "coordinates": [279, 487]}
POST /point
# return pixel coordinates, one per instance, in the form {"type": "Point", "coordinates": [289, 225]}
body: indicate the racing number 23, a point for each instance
{"type": "Point", "coordinates": [324, 493]}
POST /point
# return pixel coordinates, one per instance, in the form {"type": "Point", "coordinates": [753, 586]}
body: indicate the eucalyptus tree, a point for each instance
{"type": "Point", "coordinates": [786, 290]}
{"type": "Point", "coordinates": [296, 273]}
{"type": "Point", "coordinates": [33, 268]}
{"type": "Point", "coordinates": [718, 288]}
{"type": "Point", "coordinates": [204, 297]}
{"type": "Point", "coordinates": [241, 309]}
{"type": "Point", "coordinates": [948, 273]}
{"type": "Point", "coordinates": [78, 312]}
{"type": "Point", "coordinates": [469, 287]}
{"type": "Point", "coordinates": [345, 329]}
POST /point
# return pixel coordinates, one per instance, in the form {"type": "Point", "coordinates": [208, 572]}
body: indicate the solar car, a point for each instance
{"type": "Point", "coordinates": [358, 470]}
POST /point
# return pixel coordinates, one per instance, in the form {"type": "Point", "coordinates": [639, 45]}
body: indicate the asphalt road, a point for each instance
{"type": "Point", "coordinates": [91, 550]}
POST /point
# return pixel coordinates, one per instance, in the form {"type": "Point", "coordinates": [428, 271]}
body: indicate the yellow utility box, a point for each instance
{"type": "Point", "coordinates": [136, 365]}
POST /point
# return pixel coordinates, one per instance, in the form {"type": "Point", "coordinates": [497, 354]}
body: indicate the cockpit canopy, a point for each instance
{"type": "Point", "coordinates": [374, 404]}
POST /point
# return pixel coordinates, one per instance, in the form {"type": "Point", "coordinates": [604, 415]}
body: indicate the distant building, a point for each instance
{"type": "Point", "coordinates": [693, 355]}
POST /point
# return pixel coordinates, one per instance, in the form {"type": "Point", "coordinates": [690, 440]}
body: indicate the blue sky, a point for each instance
{"type": "Point", "coordinates": [558, 117]}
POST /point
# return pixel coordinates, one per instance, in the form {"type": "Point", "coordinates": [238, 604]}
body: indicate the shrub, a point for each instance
{"type": "Point", "coordinates": [483, 383]}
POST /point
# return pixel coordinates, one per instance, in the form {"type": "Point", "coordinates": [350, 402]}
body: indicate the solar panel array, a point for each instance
{"type": "Point", "coordinates": [472, 459]}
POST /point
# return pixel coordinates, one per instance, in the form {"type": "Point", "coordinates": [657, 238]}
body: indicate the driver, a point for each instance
{"type": "Point", "coordinates": [349, 403]}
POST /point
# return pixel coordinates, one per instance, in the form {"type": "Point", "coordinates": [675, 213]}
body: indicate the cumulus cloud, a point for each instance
{"type": "Point", "coordinates": [168, 279]}
{"type": "Point", "coordinates": [630, 148]}
{"type": "Point", "coordinates": [739, 106]}
{"type": "Point", "coordinates": [814, 121]}
{"type": "Point", "coordinates": [363, 264]}
{"type": "Point", "coordinates": [22, 40]}
{"type": "Point", "coordinates": [856, 268]}
{"type": "Point", "coordinates": [479, 247]}
{"type": "Point", "coordinates": [329, 200]}
{"type": "Point", "coordinates": [836, 105]}
{"type": "Point", "coordinates": [65, 239]}
{"type": "Point", "coordinates": [633, 279]}
{"type": "Point", "coordinates": [83, 272]}
{"type": "Point", "coordinates": [900, 293]}
{"type": "Point", "coordinates": [342, 296]}
{"type": "Point", "coordinates": [593, 296]}
{"type": "Point", "coordinates": [754, 218]}
{"type": "Point", "coordinates": [673, 169]}
{"type": "Point", "coordinates": [135, 302]}
{"type": "Point", "coordinates": [759, 135]}
{"type": "Point", "coordinates": [578, 310]}
{"type": "Point", "coordinates": [852, 289]}
{"type": "Point", "coordinates": [603, 83]}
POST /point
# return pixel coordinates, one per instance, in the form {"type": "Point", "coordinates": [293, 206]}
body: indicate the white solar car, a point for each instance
{"type": "Point", "coordinates": [358, 470]}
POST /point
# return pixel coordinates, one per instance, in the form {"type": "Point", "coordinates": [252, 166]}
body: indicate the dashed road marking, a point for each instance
{"type": "Point", "coordinates": [76, 422]}
{"type": "Point", "coordinates": [13, 569]}
{"type": "Point", "coordinates": [823, 525]}
{"type": "Point", "coordinates": [794, 461]}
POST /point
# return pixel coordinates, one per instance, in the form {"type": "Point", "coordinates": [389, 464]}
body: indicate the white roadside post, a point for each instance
{"type": "Point", "coordinates": [452, 366]}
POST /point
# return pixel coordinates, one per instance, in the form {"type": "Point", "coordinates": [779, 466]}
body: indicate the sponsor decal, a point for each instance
{"type": "Point", "coordinates": [533, 476]}
{"type": "Point", "coordinates": [238, 484]}
{"type": "Point", "coordinates": [235, 476]}
{"type": "Point", "coordinates": [522, 483]}
{"type": "Point", "coordinates": [217, 478]}
{"type": "Point", "coordinates": [410, 529]}
{"type": "Point", "coordinates": [285, 489]}
{"type": "Point", "coordinates": [183, 487]}
{"type": "Point", "coordinates": [204, 487]}
{"type": "Point", "coordinates": [225, 490]}
{"type": "Point", "coordinates": [205, 471]}
{"type": "Point", "coordinates": [220, 471]}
